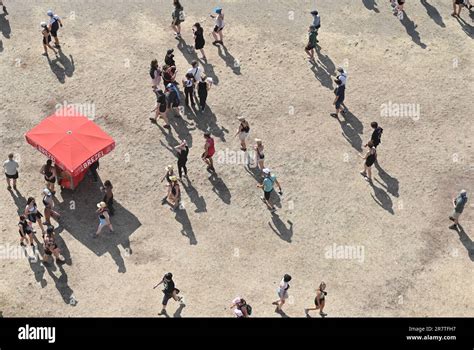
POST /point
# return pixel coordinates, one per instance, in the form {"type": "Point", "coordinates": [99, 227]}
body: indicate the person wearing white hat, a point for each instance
{"type": "Point", "coordinates": [268, 183]}
{"type": "Point", "coordinates": [46, 39]}
{"type": "Point", "coordinates": [259, 155]}
{"type": "Point", "coordinates": [48, 207]}
{"type": "Point", "coordinates": [53, 26]}
{"type": "Point", "coordinates": [458, 203]}
{"type": "Point", "coordinates": [183, 151]}
{"type": "Point", "coordinates": [243, 132]}
{"type": "Point", "coordinates": [104, 218]}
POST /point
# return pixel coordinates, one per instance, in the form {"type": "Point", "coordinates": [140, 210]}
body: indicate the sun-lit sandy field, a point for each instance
{"type": "Point", "coordinates": [225, 242]}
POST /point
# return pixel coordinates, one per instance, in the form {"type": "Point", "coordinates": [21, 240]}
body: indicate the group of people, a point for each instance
{"type": "Point", "coordinates": [50, 29]}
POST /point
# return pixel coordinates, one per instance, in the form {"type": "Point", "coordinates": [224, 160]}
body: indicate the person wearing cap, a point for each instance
{"type": "Point", "coordinates": [204, 85]}
{"type": "Point", "coordinates": [177, 18]}
{"type": "Point", "coordinates": [217, 32]}
{"type": "Point", "coordinates": [458, 203]}
{"type": "Point", "coordinates": [183, 151]}
{"type": "Point", "coordinates": [169, 291]}
{"type": "Point", "coordinates": [10, 166]}
{"type": "Point", "coordinates": [174, 193]}
{"type": "Point", "coordinates": [209, 150]}
{"type": "Point", "coordinates": [340, 93]}
{"type": "Point", "coordinates": [269, 181]}
{"type": "Point", "coordinates": [312, 34]}
{"type": "Point", "coordinates": [53, 26]}
{"type": "Point", "coordinates": [169, 58]}
{"type": "Point", "coordinates": [104, 218]}
{"type": "Point", "coordinates": [46, 39]}
{"type": "Point", "coordinates": [49, 207]}
{"type": "Point", "coordinates": [243, 132]}
{"type": "Point", "coordinates": [240, 307]}
{"type": "Point", "coordinates": [50, 247]}
{"type": "Point", "coordinates": [282, 292]}
{"type": "Point", "coordinates": [259, 155]}
{"type": "Point", "coordinates": [160, 109]}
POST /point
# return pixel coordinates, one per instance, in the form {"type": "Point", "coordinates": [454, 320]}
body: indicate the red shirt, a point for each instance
{"type": "Point", "coordinates": [210, 150]}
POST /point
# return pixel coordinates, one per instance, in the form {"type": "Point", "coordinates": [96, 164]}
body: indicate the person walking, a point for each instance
{"type": "Point", "coordinates": [10, 166]}
{"type": "Point", "coordinates": [49, 172]}
{"type": "Point", "coordinates": [458, 203]}
{"type": "Point", "coordinates": [199, 41]}
{"type": "Point", "coordinates": [240, 308]}
{"type": "Point", "coordinates": [376, 137]}
{"type": "Point", "coordinates": [204, 85]}
{"type": "Point", "coordinates": [50, 247]}
{"type": "Point", "coordinates": [369, 159]}
{"type": "Point", "coordinates": [155, 74]}
{"type": "Point", "coordinates": [316, 21]}
{"type": "Point", "coordinates": [174, 193]}
{"type": "Point", "coordinates": [282, 292]}
{"type": "Point", "coordinates": [188, 83]}
{"type": "Point", "coordinates": [269, 181]}
{"type": "Point", "coordinates": [169, 59]}
{"type": "Point", "coordinates": [46, 39]}
{"type": "Point", "coordinates": [53, 26]}
{"type": "Point", "coordinates": [104, 218]}
{"type": "Point", "coordinates": [339, 100]}
{"type": "Point", "coordinates": [49, 207]}
{"type": "Point", "coordinates": [209, 150]}
{"type": "Point", "coordinates": [341, 74]}
{"type": "Point", "coordinates": [26, 232]}
{"type": "Point", "coordinates": [312, 35]}
{"type": "Point", "coordinates": [319, 301]}
{"type": "Point", "coordinates": [172, 100]}
{"type": "Point", "coordinates": [243, 132]}
{"type": "Point", "coordinates": [169, 291]}
{"type": "Point", "coordinates": [108, 196]}
{"type": "Point", "coordinates": [160, 109]}
{"type": "Point", "coordinates": [183, 151]}
{"type": "Point", "coordinates": [177, 18]}
{"type": "Point", "coordinates": [219, 27]}
{"type": "Point", "coordinates": [259, 154]}
{"type": "Point", "coordinates": [32, 213]}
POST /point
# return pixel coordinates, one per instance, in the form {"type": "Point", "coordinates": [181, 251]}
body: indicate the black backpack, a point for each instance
{"type": "Point", "coordinates": [249, 309]}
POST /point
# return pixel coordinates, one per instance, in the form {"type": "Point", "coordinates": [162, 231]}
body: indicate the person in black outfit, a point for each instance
{"type": "Point", "coordinates": [199, 40]}
{"type": "Point", "coordinates": [188, 83]}
{"type": "Point", "coordinates": [376, 134]}
{"type": "Point", "coordinates": [170, 291]}
{"type": "Point", "coordinates": [183, 151]}
{"type": "Point", "coordinates": [203, 88]}
{"type": "Point", "coordinates": [93, 170]}
{"type": "Point", "coordinates": [169, 58]}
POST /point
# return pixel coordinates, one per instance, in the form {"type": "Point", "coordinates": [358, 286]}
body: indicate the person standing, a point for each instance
{"type": "Point", "coordinates": [49, 207]}
{"type": "Point", "coordinates": [169, 59]}
{"type": "Point", "coordinates": [312, 35]}
{"type": "Point", "coordinates": [203, 87]}
{"type": "Point", "coordinates": [188, 83]}
{"type": "Point", "coordinates": [219, 27]}
{"type": "Point", "coordinates": [46, 39]}
{"type": "Point", "coordinates": [269, 181]}
{"type": "Point", "coordinates": [195, 71]}
{"type": "Point", "coordinates": [319, 300]}
{"type": "Point", "coordinates": [32, 213]}
{"type": "Point", "coordinates": [155, 74]}
{"type": "Point", "coordinates": [376, 134]}
{"type": "Point", "coordinates": [10, 166]}
{"type": "Point", "coordinates": [369, 159]}
{"type": "Point", "coordinates": [177, 18]}
{"type": "Point", "coordinates": [240, 308]}
{"type": "Point", "coordinates": [282, 292]}
{"type": "Point", "coordinates": [93, 170]}
{"type": "Point", "coordinates": [340, 93]}
{"type": "Point", "coordinates": [104, 218]}
{"type": "Point", "coordinates": [50, 247]}
{"type": "Point", "coordinates": [49, 172]}
{"type": "Point", "coordinates": [53, 27]}
{"type": "Point", "coordinates": [259, 155]}
{"type": "Point", "coordinates": [169, 173]}
{"type": "Point", "coordinates": [458, 203]}
{"type": "Point", "coordinates": [209, 150]}
{"type": "Point", "coordinates": [169, 291]}
{"type": "Point", "coordinates": [108, 196]}
{"type": "Point", "coordinates": [199, 40]}
{"type": "Point", "coordinates": [169, 75]}
{"type": "Point", "coordinates": [341, 75]}
{"type": "Point", "coordinates": [243, 132]}
{"type": "Point", "coordinates": [25, 230]}
{"type": "Point", "coordinates": [160, 109]}
{"type": "Point", "coordinates": [172, 100]}
{"type": "Point", "coordinates": [183, 151]}
{"type": "Point", "coordinates": [174, 193]}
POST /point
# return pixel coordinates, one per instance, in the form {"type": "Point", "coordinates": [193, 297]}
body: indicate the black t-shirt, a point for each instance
{"type": "Point", "coordinates": [169, 286]}
{"type": "Point", "coordinates": [376, 135]}
{"type": "Point", "coordinates": [183, 155]}
{"type": "Point", "coordinates": [169, 60]}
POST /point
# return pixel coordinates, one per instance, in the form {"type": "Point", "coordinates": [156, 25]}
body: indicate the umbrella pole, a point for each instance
{"type": "Point", "coordinates": [71, 181]}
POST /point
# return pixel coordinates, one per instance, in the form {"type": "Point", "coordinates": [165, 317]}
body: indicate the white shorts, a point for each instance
{"type": "Point", "coordinates": [282, 294]}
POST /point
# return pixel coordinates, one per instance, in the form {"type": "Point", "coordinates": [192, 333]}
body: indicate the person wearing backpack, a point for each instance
{"type": "Point", "coordinates": [53, 27]}
{"type": "Point", "coordinates": [376, 134]}
{"type": "Point", "coordinates": [177, 18]}
{"type": "Point", "coordinates": [170, 291]}
{"type": "Point", "coordinates": [172, 99]}
{"type": "Point", "coordinates": [241, 308]}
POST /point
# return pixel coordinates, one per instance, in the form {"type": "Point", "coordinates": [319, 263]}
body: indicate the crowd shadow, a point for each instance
{"type": "Point", "coordinates": [382, 198]}
{"type": "Point", "coordinates": [81, 222]}
{"type": "Point", "coordinates": [181, 127]}
{"type": "Point", "coordinates": [187, 228]}
{"type": "Point", "coordinates": [197, 199]}
{"type": "Point", "coordinates": [19, 200]}
{"type": "Point", "coordinates": [209, 71]}
{"type": "Point", "coordinates": [352, 128]}
{"type": "Point", "coordinates": [323, 69]}
{"type": "Point", "coordinates": [220, 188]}
{"type": "Point", "coordinates": [466, 27]}
{"type": "Point", "coordinates": [207, 121]}
{"type": "Point", "coordinates": [410, 27]}
{"type": "Point", "coordinates": [371, 5]}
{"type": "Point", "coordinates": [62, 66]}
{"type": "Point", "coordinates": [229, 60]}
{"type": "Point", "coordinates": [5, 27]}
{"type": "Point", "coordinates": [466, 242]}
{"type": "Point", "coordinates": [38, 269]}
{"type": "Point", "coordinates": [433, 13]}
{"type": "Point", "coordinates": [391, 183]}
{"type": "Point", "coordinates": [280, 228]}
{"type": "Point", "coordinates": [187, 51]}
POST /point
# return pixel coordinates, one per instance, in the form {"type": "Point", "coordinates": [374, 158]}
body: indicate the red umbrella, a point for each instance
{"type": "Point", "coordinates": [71, 140]}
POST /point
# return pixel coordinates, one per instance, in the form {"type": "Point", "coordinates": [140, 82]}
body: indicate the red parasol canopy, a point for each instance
{"type": "Point", "coordinates": [71, 140]}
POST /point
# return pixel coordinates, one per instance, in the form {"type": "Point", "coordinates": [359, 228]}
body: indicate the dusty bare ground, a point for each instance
{"type": "Point", "coordinates": [225, 242]}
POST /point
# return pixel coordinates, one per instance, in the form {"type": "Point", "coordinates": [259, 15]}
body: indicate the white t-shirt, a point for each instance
{"type": "Point", "coordinates": [283, 285]}
{"type": "Point", "coordinates": [342, 77]}
{"type": "Point", "coordinates": [196, 72]}
{"type": "Point", "coordinates": [11, 167]}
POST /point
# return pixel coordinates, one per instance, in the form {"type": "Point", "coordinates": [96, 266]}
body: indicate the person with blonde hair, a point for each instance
{"type": "Point", "coordinates": [319, 301]}
{"type": "Point", "coordinates": [243, 132]}
{"type": "Point", "coordinates": [259, 154]}
{"type": "Point", "coordinates": [104, 218]}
